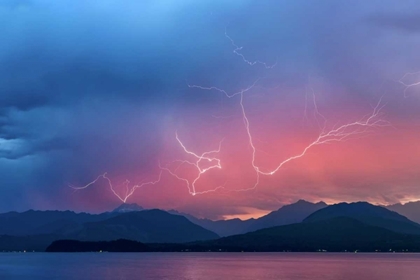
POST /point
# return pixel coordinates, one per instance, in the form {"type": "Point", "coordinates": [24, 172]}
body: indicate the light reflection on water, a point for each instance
{"type": "Point", "coordinates": [204, 266]}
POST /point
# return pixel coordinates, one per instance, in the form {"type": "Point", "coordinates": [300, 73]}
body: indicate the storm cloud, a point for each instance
{"type": "Point", "coordinates": [88, 87]}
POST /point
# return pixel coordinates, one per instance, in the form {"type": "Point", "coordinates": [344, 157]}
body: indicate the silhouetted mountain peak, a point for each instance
{"type": "Point", "coordinates": [128, 207]}
{"type": "Point", "coordinates": [368, 214]}
{"type": "Point", "coordinates": [410, 203]}
{"type": "Point", "coordinates": [153, 226]}
{"type": "Point", "coordinates": [303, 204]}
{"type": "Point", "coordinates": [338, 234]}
{"type": "Point", "coordinates": [351, 209]}
{"type": "Point", "coordinates": [410, 209]}
{"type": "Point", "coordinates": [287, 214]}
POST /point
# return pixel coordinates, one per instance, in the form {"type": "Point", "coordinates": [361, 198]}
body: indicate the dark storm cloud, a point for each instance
{"type": "Point", "coordinates": [60, 63]}
{"type": "Point", "coordinates": [92, 86]}
{"type": "Point", "coordinates": [22, 100]}
{"type": "Point", "coordinates": [20, 148]}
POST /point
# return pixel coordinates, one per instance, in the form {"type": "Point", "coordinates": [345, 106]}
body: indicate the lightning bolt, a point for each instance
{"type": "Point", "coordinates": [335, 134]}
{"type": "Point", "coordinates": [129, 190]}
{"type": "Point", "coordinates": [406, 85]}
{"type": "Point", "coordinates": [316, 113]}
{"type": "Point", "coordinates": [208, 160]}
{"type": "Point", "coordinates": [211, 162]}
{"type": "Point", "coordinates": [237, 51]}
{"type": "Point", "coordinates": [339, 134]}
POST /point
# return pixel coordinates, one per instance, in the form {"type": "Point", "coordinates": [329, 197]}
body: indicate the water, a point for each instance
{"type": "Point", "coordinates": [204, 266]}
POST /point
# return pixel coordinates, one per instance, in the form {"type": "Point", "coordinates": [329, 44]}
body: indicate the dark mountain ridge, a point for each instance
{"type": "Point", "coordinates": [67, 222]}
{"type": "Point", "coordinates": [368, 214]}
{"type": "Point", "coordinates": [143, 226]}
{"type": "Point", "coordinates": [287, 214]}
{"type": "Point", "coordinates": [127, 207]}
{"type": "Point", "coordinates": [338, 234]}
{"type": "Point", "coordinates": [410, 210]}
{"type": "Point", "coordinates": [151, 226]}
{"type": "Point", "coordinates": [353, 223]}
{"type": "Point", "coordinates": [45, 222]}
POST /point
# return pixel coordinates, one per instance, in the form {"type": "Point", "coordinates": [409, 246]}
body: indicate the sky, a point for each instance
{"type": "Point", "coordinates": [88, 87]}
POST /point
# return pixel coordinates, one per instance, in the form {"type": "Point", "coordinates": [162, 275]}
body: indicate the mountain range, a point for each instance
{"type": "Point", "coordinates": [150, 226]}
{"type": "Point", "coordinates": [35, 230]}
{"type": "Point", "coordinates": [288, 214]}
{"type": "Point", "coordinates": [338, 234]}
{"type": "Point", "coordinates": [298, 227]}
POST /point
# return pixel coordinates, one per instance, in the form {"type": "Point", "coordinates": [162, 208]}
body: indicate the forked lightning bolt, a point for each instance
{"type": "Point", "coordinates": [210, 162]}
{"type": "Point", "coordinates": [338, 134]}
{"type": "Point", "coordinates": [409, 85]}
{"type": "Point", "coordinates": [207, 161]}
{"type": "Point", "coordinates": [129, 191]}
{"type": "Point", "coordinates": [335, 134]}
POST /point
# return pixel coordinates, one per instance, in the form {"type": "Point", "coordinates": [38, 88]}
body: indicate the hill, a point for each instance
{"type": "Point", "coordinates": [410, 210]}
{"type": "Point", "coordinates": [368, 214]}
{"type": "Point", "coordinates": [340, 234]}
{"type": "Point", "coordinates": [152, 226]}
{"type": "Point", "coordinates": [127, 207]}
{"type": "Point", "coordinates": [221, 227]}
{"type": "Point", "coordinates": [334, 235]}
{"type": "Point", "coordinates": [45, 222]}
{"type": "Point", "coordinates": [288, 214]}
{"type": "Point", "coordinates": [68, 223]}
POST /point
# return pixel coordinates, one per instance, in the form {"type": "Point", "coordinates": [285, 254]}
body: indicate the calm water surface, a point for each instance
{"type": "Point", "coordinates": [240, 266]}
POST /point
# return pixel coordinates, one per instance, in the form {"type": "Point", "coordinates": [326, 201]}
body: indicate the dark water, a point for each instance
{"type": "Point", "coordinates": [240, 266]}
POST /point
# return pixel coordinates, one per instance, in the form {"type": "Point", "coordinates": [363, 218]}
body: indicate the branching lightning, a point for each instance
{"type": "Point", "coordinates": [237, 50]}
{"type": "Point", "coordinates": [129, 191]}
{"type": "Point", "coordinates": [209, 160]}
{"type": "Point", "coordinates": [205, 159]}
{"type": "Point", "coordinates": [335, 134]}
{"type": "Point", "coordinates": [338, 134]}
{"type": "Point", "coordinates": [317, 114]}
{"type": "Point", "coordinates": [406, 85]}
